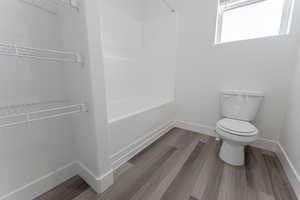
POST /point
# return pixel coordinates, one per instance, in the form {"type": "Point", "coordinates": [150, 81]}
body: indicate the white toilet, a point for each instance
{"type": "Point", "coordinates": [239, 108]}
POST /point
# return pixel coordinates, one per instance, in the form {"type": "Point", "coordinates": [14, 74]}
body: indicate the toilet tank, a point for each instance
{"type": "Point", "coordinates": [241, 105]}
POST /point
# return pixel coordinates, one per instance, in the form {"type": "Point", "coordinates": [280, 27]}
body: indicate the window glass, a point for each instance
{"type": "Point", "coordinates": [256, 20]}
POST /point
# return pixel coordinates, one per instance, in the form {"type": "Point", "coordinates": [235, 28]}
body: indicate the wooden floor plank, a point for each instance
{"type": "Point", "coordinates": [182, 186]}
{"type": "Point", "coordinates": [258, 181]}
{"type": "Point", "coordinates": [207, 184]}
{"type": "Point", "coordinates": [183, 165]}
{"type": "Point", "coordinates": [68, 191]}
{"type": "Point", "coordinates": [129, 183]}
{"type": "Point", "coordinates": [157, 147]}
{"type": "Point", "coordinates": [233, 183]}
{"type": "Point", "coordinates": [164, 176]}
{"type": "Point", "coordinates": [122, 169]}
{"type": "Point", "coordinates": [281, 186]}
{"type": "Point", "coordinates": [88, 194]}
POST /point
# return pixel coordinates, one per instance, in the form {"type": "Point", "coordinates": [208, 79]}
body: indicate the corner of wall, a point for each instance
{"type": "Point", "coordinates": [99, 184]}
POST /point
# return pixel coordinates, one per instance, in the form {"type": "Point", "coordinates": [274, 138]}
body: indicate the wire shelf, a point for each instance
{"type": "Point", "coordinates": [68, 3]}
{"type": "Point", "coordinates": [51, 6]}
{"type": "Point", "coordinates": [25, 113]}
{"type": "Point", "coordinates": [41, 54]}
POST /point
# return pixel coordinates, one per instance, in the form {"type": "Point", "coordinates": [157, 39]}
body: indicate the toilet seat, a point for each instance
{"type": "Point", "coordinates": [237, 127]}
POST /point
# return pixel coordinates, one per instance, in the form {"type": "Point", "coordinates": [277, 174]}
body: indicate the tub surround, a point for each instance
{"type": "Point", "coordinates": [135, 123]}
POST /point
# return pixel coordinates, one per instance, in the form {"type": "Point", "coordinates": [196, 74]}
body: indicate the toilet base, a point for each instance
{"type": "Point", "coordinates": [232, 153]}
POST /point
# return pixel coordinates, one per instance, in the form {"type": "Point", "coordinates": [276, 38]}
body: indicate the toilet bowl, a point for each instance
{"type": "Point", "coordinates": [235, 135]}
{"type": "Point", "coordinates": [239, 109]}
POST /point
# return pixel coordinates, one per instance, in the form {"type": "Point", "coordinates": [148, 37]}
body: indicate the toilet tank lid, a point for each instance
{"type": "Point", "coordinates": [243, 92]}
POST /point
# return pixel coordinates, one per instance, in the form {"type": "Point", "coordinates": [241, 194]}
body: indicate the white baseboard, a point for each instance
{"type": "Point", "coordinates": [43, 184]}
{"type": "Point", "coordinates": [55, 178]}
{"type": "Point", "coordinates": [195, 127]}
{"type": "Point", "coordinates": [210, 131]}
{"type": "Point", "coordinates": [137, 146]}
{"type": "Point", "coordinates": [289, 169]}
{"type": "Point", "coordinates": [99, 184]}
{"type": "Point", "coordinates": [266, 144]}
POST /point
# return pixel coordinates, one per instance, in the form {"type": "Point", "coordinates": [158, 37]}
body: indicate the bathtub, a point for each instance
{"type": "Point", "coordinates": [135, 123]}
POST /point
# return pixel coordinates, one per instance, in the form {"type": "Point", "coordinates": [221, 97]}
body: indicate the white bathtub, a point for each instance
{"type": "Point", "coordinates": [135, 123]}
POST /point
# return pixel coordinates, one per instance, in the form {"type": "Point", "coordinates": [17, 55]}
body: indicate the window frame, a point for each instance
{"type": "Point", "coordinates": [235, 4]}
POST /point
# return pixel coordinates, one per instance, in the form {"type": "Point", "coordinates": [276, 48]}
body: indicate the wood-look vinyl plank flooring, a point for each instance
{"type": "Point", "coordinates": [183, 165]}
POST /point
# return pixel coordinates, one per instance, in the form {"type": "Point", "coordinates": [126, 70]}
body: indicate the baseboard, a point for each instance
{"type": "Point", "coordinates": [137, 146]}
{"type": "Point", "coordinates": [43, 184]}
{"type": "Point", "coordinates": [210, 131]}
{"type": "Point", "coordinates": [195, 127]}
{"type": "Point", "coordinates": [99, 184]}
{"type": "Point", "coordinates": [289, 169]}
{"type": "Point", "coordinates": [55, 178]}
{"type": "Point", "coordinates": [266, 144]}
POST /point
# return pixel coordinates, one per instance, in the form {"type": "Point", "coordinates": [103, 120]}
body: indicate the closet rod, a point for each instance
{"type": "Point", "coordinates": [31, 116]}
{"type": "Point", "coordinates": [38, 53]}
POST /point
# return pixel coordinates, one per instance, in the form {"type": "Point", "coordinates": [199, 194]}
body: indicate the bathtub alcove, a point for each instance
{"type": "Point", "coordinates": [139, 51]}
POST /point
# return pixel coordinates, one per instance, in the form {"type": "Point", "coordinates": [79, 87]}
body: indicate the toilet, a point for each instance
{"type": "Point", "coordinates": [239, 109]}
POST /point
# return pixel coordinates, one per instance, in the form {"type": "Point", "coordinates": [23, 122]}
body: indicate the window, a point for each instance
{"type": "Point", "coordinates": [248, 19]}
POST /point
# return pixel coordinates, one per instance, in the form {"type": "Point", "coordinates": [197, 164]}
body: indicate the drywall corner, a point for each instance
{"type": "Point", "coordinates": [99, 184]}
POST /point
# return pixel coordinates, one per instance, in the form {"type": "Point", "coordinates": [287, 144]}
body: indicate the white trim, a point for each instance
{"type": "Point", "coordinates": [266, 144]}
{"type": "Point", "coordinates": [286, 19]}
{"type": "Point", "coordinates": [195, 127]}
{"type": "Point", "coordinates": [262, 143]}
{"type": "Point", "coordinates": [42, 184]}
{"type": "Point", "coordinates": [45, 183]}
{"type": "Point", "coordinates": [144, 109]}
{"type": "Point", "coordinates": [219, 23]}
{"type": "Point", "coordinates": [289, 169]}
{"type": "Point", "coordinates": [138, 145]}
{"type": "Point", "coordinates": [233, 4]}
{"type": "Point", "coordinates": [99, 184]}
{"type": "Point", "coordinates": [106, 180]}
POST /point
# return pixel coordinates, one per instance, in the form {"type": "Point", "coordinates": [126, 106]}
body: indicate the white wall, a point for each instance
{"type": "Point", "coordinates": [81, 32]}
{"type": "Point", "coordinates": [35, 157]}
{"type": "Point", "coordinates": [98, 108]}
{"type": "Point", "coordinates": [78, 87]}
{"type": "Point", "coordinates": [290, 136]}
{"type": "Point", "coordinates": [30, 151]}
{"type": "Point", "coordinates": [27, 80]}
{"type": "Point", "coordinates": [205, 68]}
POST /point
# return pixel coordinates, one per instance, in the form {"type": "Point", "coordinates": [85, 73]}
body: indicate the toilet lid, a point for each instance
{"type": "Point", "coordinates": [238, 127]}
